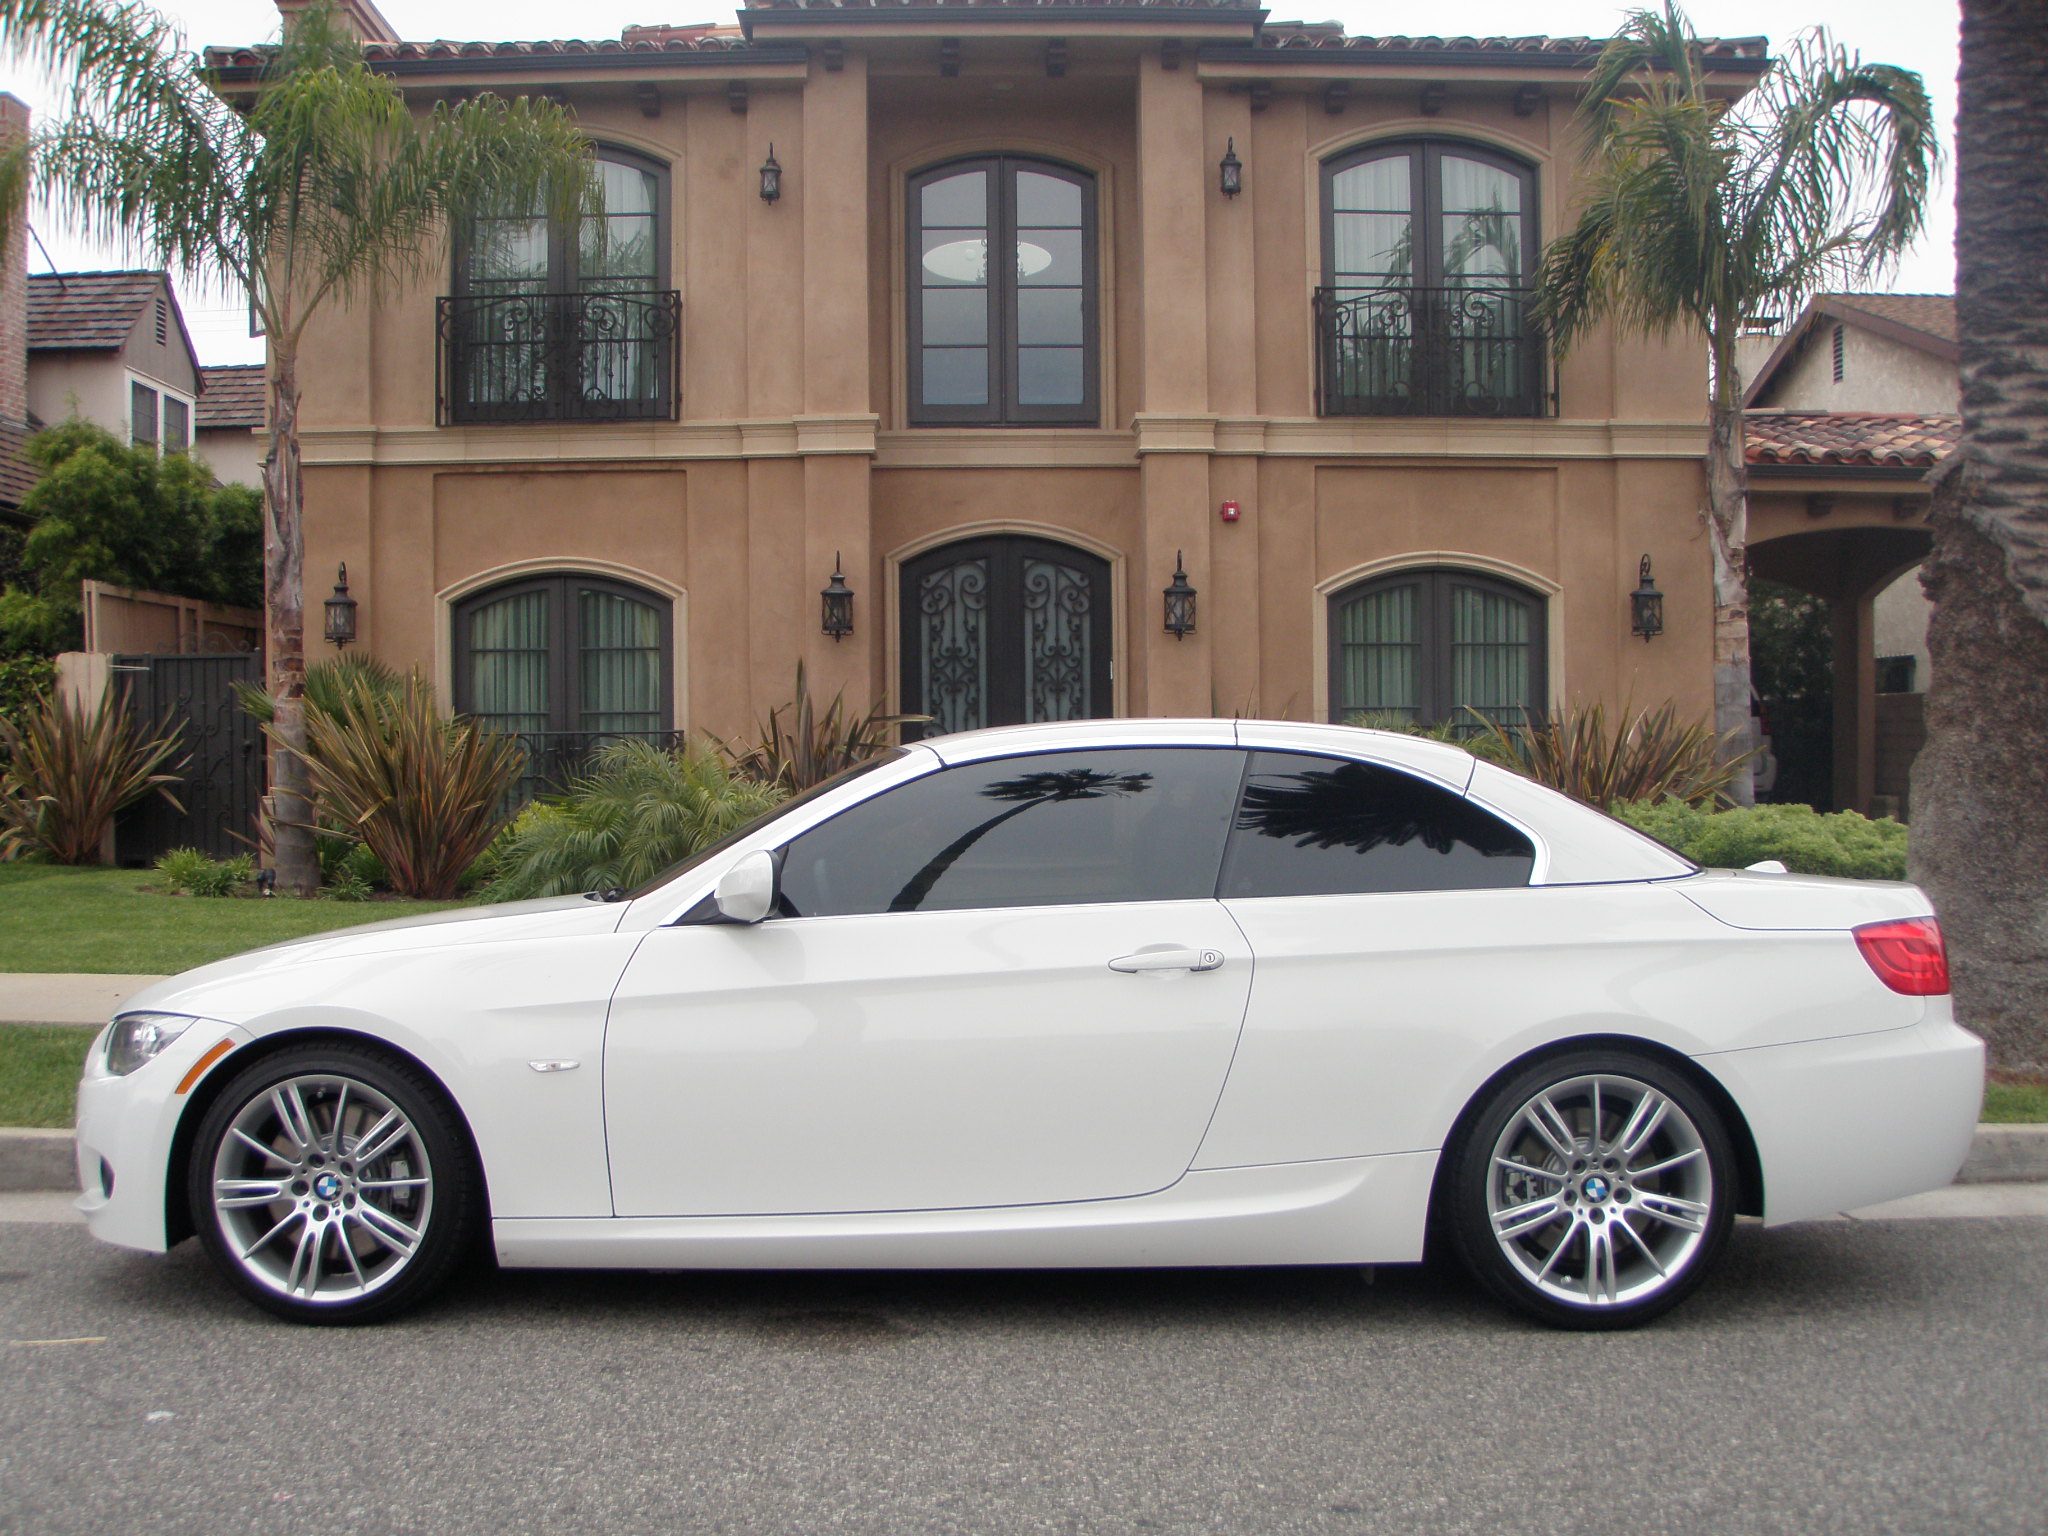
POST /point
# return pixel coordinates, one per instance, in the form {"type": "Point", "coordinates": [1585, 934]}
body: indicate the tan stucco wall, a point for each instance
{"type": "Point", "coordinates": [792, 448]}
{"type": "Point", "coordinates": [1878, 374]}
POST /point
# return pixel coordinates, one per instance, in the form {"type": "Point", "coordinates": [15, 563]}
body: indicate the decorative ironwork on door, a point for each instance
{"type": "Point", "coordinates": [1005, 631]}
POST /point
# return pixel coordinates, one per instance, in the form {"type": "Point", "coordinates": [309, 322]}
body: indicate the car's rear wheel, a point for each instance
{"type": "Point", "coordinates": [332, 1184]}
{"type": "Point", "coordinates": [1593, 1190]}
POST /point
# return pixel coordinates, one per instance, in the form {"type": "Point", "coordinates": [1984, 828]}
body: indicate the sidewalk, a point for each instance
{"type": "Point", "coordinates": [30, 998]}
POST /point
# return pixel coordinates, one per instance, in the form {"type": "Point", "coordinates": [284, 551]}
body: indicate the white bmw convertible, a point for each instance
{"type": "Point", "coordinates": [1106, 993]}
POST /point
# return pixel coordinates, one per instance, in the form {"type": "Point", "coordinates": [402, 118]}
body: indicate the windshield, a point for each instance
{"type": "Point", "coordinates": [844, 775]}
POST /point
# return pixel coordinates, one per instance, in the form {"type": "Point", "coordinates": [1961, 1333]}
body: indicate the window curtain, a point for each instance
{"type": "Point", "coordinates": [1379, 654]}
{"type": "Point", "coordinates": [508, 655]}
{"type": "Point", "coordinates": [1490, 646]}
{"type": "Point", "coordinates": [618, 643]}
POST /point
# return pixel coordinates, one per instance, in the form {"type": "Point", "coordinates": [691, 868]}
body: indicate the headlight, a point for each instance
{"type": "Point", "coordinates": [137, 1038]}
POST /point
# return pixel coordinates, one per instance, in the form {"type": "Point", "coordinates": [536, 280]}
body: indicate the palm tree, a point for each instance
{"type": "Point", "coordinates": [1020, 794]}
{"type": "Point", "coordinates": [318, 185]}
{"type": "Point", "coordinates": [1708, 213]}
{"type": "Point", "coordinates": [1980, 786]}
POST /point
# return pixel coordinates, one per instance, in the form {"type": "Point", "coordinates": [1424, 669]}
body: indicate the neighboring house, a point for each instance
{"type": "Point", "coordinates": [112, 347]}
{"type": "Point", "coordinates": [1260, 327]}
{"type": "Point", "coordinates": [228, 427]}
{"type": "Point", "coordinates": [1847, 414]}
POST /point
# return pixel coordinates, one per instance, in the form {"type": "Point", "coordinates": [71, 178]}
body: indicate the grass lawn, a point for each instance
{"type": "Point", "coordinates": [39, 1072]}
{"type": "Point", "coordinates": [2016, 1100]}
{"type": "Point", "coordinates": [114, 920]}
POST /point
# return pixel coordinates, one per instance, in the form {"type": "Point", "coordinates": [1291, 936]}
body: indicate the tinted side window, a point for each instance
{"type": "Point", "coordinates": [1321, 826]}
{"type": "Point", "coordinates": [1051, 829]}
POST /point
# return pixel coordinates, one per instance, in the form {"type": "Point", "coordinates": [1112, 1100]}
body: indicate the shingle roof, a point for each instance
{"type": "Point", "coordinates": [230, 396]}
{"type": "Point", "coordinates": [76, 311]}
{"type": "Point", "coordinates": [1872, 439]}
{"type": "Point", "coordinates": [1934, 313]}
{"type": "Point", "coordinates": [16, 473]}
{"type": "Point", "coordinates": [638, 40]}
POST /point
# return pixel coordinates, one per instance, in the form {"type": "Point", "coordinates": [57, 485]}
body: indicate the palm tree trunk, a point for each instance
{"type": "Point", "coordinates": [1728, 536]}
{"type": "Point", "coordinates": [1980, 787]}
{"type": "Point", "coordinates": [284, 606]}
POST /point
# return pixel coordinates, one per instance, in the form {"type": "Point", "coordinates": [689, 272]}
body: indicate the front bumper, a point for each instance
{"type": "Point", "coordinates": [1860, 1119]}
{"type": "Point", "coordinates": [126, 1127]}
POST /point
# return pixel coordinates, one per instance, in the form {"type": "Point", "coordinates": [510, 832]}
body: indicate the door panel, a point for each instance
{"type": "Point", "coordinates": [1005, 631]}
{"type": "Point", "coordinates": [917, 1060]}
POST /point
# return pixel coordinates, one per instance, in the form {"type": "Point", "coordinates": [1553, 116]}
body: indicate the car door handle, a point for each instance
{"type": "Point", "coordinates": [1169, 960]}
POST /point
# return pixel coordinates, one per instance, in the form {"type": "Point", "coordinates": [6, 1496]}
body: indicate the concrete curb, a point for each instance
{"type": "Point", "coordinates": [36, 1160]}
{"type": "Point", "coordinates": [2007, 1154]}
{"type": "Point", "coordinates": [2001, 1154]}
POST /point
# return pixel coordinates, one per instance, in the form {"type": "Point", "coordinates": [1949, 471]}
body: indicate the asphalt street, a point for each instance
{"type": "Point", "coordinates": [1853, 1377]}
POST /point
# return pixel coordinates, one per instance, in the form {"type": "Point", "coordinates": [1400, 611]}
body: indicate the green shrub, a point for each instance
{"type": "Point", "coordinates": [346, 885]}
{"type": "Point", "coordinates": [1809, 843]}
{"type": "Point", "coordinates": [811, 747]}
{"type": "Point", "coordinates": [425, 794]}
{"type": "Point", "coordinates": [1646, 755]}
{"type": "Point", "coordinates": [193, 873]}
{"type": "Point", "coordinates": [638, 811]}
{"type": "Point", "coordinates": [66, 771]}
{"type": "Point", "coordinates": [22, 680]}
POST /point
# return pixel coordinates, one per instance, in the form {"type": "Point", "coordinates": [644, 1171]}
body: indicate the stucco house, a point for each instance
{"type": "Point", "coordinates": [1257, 327]}
{"type": "Point", "coordinates": [1847, 414]}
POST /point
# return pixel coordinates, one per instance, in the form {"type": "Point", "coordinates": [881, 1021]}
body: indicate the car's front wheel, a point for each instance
{"type": "Point", "coordinates": [1593, 1190]}
{"type": "Point", "coordinates": [332, 1184]}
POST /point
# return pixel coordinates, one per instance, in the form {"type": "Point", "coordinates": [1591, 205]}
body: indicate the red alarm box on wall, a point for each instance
{"type": "Point", "coordinates": [1230, 511]}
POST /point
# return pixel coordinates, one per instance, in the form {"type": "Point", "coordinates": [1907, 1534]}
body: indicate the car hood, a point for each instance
{"type": "Point", "coordinates": [518, 921]}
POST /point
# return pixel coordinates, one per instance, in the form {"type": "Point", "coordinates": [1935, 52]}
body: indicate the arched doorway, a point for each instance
{"type": "Point", "coordinates": [1847, 566]}
{"type": "Point", "coordinates": [1005, 629]}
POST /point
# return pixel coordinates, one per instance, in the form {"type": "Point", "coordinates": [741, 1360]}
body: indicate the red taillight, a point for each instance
{"type": "Point", "coordinates": [1907, 955]}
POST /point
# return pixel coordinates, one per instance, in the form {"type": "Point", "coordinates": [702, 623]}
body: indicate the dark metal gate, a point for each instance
{"type": "Point", "coordinates": [223, 781]}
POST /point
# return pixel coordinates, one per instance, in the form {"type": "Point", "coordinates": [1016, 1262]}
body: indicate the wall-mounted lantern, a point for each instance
{"type": "Point", "coordinates": [771, 177]}
{"type": "Point", "coordinates": [341, 612]}
{"type": "Point", "coordinates": [1180, 601]}
{"type": "Point", "coordinates": [1230, 170]}
{"type": "Point", "coordinates": [837, 603]}
{"type": "Point", "coordinates": [1646, 605]}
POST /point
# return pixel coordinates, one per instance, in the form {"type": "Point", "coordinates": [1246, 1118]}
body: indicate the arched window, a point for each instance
{"type": "Point", "coordinates": [1427, 645]}
{"type": "Point", "coordinates": [562, 321]}
{"type": "Point", "coordinates": [577, 658]}
{"type": "Point", "coordinates": [1429, 253]}
{"type": "Point", "coordinates": [1010, 341]}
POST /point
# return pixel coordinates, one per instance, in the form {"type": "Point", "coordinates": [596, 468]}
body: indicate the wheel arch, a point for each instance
{"type": "Point", "coordinates": [1748, 1163]}
{"type": "Point", "coordinates": [178, 1223]}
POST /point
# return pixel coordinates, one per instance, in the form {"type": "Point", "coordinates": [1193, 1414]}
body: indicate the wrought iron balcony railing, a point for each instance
{"type": "Point", "coordinates": [514, 357]}
{"type": "Point", "coordinates": [1468, 351]}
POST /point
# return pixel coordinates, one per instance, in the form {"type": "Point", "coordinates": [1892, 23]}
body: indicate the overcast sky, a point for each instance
{"type": "Point", "coordinates": [1917, 34]}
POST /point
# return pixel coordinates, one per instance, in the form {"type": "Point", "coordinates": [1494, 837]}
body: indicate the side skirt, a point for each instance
{"type": "Point", "coordinates": [1366, 1210]}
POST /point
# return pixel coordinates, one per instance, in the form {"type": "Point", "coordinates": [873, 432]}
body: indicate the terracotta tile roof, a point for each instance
{"type": "Point", "coordinates": [230, 396]}
{"type": "Point", "coordinates": [1850, 438]}
{"type": "Point", "coordinates": [997, 5]}
{"type": "Point", "coordinates": [16, 473]}
{"type": "Point", "coordinates": [1288, 34]}
{"type": "Point", "coordinates": [1934, 313]}
{"type": "Point", "coordinates": [638, 40]}
{"type": "Point", "coordinates": [75, 311]}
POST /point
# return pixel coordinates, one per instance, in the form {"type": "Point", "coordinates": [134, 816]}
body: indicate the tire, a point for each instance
{"type": "Point", "coordinates": [1593, 1190]}
{"type": "Point", "coordinates": [298, 1220]}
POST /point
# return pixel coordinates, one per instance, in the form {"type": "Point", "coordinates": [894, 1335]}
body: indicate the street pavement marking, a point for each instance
{"type": "Point", "coordinates": [48, 1343]}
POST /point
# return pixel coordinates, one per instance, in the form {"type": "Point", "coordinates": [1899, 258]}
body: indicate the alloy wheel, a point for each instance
{"type": "Point", "coordinates": [322, 1189]}
{"type": "Point", "coordinates": [1600, 1191]}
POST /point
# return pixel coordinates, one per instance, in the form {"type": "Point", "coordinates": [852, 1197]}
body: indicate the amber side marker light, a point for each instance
{"type": "Point", "coordinates": [1907, 955]}
{"type": "Point", "coordinates": [199, 1067]}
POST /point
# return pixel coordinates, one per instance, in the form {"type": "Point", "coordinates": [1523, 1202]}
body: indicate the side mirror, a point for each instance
{"type": "Point", "coordinates": [746, 892]}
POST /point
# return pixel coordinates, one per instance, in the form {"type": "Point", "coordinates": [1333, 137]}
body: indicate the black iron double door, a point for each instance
{"type": "Point", "coordinates": [1005, 630]}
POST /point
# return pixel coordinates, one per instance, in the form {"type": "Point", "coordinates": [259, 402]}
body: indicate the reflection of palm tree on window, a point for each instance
{"type": "Point", "coordinates": [1022, 793]}
{"type": "Point", "coordinates": [1363, 808]}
